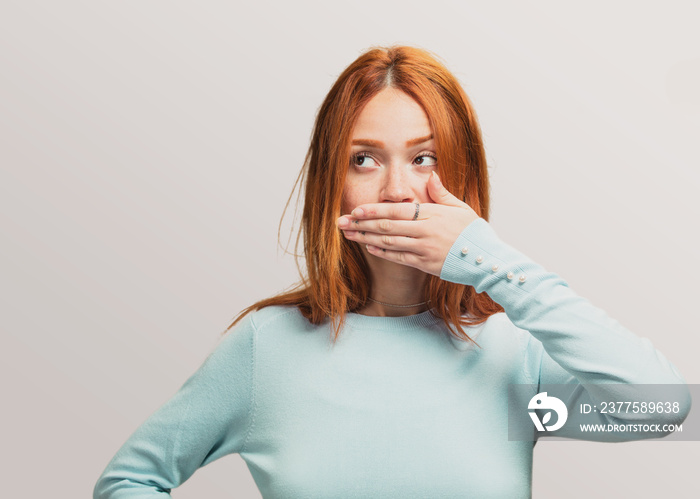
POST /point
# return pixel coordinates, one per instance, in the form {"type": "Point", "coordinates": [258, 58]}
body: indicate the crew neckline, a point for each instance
{"type": "Point", "coordinates": [382, 323]}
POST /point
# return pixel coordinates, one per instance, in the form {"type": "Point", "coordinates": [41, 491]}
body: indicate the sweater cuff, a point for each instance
{"type": "Point", "coordinates": [480, 259]}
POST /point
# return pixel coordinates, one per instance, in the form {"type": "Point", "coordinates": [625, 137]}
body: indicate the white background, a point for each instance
{"type": "Point", "coordinates": [147, 150]}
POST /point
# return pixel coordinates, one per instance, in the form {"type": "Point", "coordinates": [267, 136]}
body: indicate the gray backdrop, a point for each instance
{"type": "Point", "coordinates": [147, 150]}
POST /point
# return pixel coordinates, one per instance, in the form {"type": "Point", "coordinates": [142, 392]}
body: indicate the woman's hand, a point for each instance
{"type": "Point", "coordinates": [389, 231]}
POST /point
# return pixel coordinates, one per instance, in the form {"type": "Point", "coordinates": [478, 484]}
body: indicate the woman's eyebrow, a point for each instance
{"type": "Point", "coordinates": [379, 144]}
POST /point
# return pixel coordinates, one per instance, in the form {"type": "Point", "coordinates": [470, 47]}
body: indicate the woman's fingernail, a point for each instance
{"type": "Point", "coordinates": [342, 222]}
{"type": "Point", "coordinates": [436, 176]}
{"type": "Point", "coordinates": [357, 212]}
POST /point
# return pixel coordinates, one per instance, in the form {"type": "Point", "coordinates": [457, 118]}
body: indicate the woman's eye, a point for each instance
{"type": "Point", "coordinates": [361, 160]}
{"type": "Point", "coordinates": [364, 160]}
{"type": "Point", "coordinates": [430, 161]}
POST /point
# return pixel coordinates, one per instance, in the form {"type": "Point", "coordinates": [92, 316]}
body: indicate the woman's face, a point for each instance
{"type": "Point", "coordinates": [392, 153]}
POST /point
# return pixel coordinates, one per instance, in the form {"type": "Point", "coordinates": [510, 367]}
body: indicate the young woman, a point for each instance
{"type": "Point", "coordinates": [367, 379]}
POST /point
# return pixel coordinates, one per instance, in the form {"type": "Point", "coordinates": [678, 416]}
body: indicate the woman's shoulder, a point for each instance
{"type": "Point", "coordinates": [275, 312]}
{"type": "Point", "coordinates": [498, 328]}
{"type": "Point", "coordinates": [275, 315]}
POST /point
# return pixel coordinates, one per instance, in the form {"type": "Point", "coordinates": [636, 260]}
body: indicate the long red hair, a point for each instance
{"type": "Point", "coordinates": [338, 277]}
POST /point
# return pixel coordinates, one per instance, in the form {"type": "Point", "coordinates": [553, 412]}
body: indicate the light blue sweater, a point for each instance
{"type": "Point", "coordinates": [398, 408]}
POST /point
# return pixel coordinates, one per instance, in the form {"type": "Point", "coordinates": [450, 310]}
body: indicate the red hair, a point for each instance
{"type": "Point", "coordinates": [338, 277]}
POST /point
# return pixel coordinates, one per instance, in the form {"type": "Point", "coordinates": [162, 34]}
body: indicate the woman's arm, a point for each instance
{"type": "Point", "coordinates": [581, 343]}
{"type": "Point", "coordinates": [206, 419]}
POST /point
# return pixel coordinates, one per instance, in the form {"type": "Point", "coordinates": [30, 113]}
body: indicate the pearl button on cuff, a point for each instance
{"type": "Point", "coordinates": [494, 268]}
{"type": "Point", "coordinates": [479, 259]}
{"type": "Point", "coordinates": [509, 275]}
{"type": "Point", "coordinates": [465, 250]}
{"type": "Point", "coordinates": [522, 278]}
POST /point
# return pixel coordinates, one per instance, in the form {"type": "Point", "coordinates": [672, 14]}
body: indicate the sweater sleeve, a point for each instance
{"type": "Point", "coordinates": [206, 419]}
{"type": "Point", "coordinates": [579, 343]}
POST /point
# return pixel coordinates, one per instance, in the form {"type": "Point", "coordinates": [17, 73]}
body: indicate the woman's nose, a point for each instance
{"type": "Point", "coordinates": [396, 186]}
